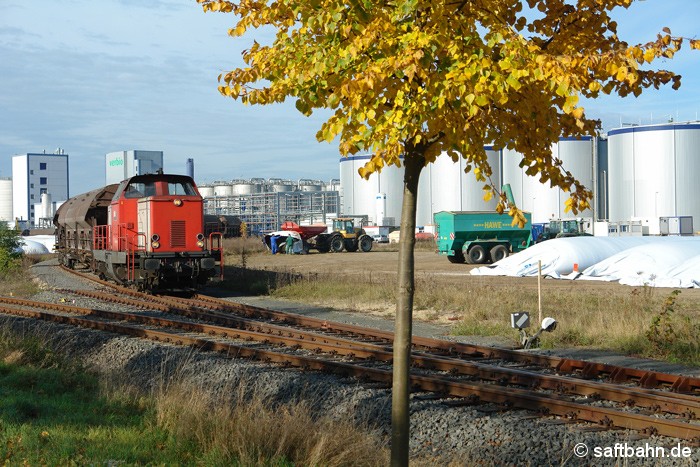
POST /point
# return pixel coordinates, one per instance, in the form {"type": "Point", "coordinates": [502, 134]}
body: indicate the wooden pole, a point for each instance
{"type": "Point", "coordinates": [539, 292]}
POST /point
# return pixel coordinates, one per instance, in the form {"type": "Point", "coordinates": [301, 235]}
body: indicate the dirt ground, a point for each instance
{"type": "Point", "coordinates": [427, 263]}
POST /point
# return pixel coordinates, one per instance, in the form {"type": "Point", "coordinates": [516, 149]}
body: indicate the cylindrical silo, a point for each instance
{"type": "Point", "coordinates": [653, 172]}
{"type": "Point", "coordinates": [278, 185]}
{"type": "Point", "coordinates": [223, 188]}
{"type": "Point", "coordinates": [309, 185]}
{"type": "Point", "coordinates": [243, 187]}
{"type": "Point", "coordinates": [444, 186]}
{"type": "Point", "coordinates": [207, 191]}
{"type": "Point", "coordinates": [6, 199]}
{"type": "Point", "coordinates": [358, 196]}
{"type": "Point", "coordinates": [543, 201]}
{"type": "Point", "coordinates": [46, 206]}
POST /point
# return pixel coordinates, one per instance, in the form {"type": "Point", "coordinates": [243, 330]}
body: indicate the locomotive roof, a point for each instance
{"type": "Point", "coordinates": [153, 177]}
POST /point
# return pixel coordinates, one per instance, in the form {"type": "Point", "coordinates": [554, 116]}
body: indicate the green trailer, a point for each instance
{"type": "Point", "coordinates": [478, 237]}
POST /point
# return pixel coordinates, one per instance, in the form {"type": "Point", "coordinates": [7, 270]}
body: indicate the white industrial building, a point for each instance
{"type": "Point", "coordinates": [121, 165]}
{"type": "Point", "coordinates": [34, 175]}
{"type": "Point", "coordinates": [6, 199]}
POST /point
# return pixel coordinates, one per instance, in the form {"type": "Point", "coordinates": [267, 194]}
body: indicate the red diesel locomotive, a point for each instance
{"type": "Point", "coordinates": [147, 231]}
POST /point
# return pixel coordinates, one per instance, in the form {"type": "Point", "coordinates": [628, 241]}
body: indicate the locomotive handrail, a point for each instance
{"type": "Point", "coordinates": [131, 254]}
{"type": "Point", "coordinates": [220, 248]}
{"type": "Point", "coordinates": [100, 237]}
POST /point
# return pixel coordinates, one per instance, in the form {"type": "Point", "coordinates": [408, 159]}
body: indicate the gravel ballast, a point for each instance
{"type": "Point", "coordinates": [482, 435]}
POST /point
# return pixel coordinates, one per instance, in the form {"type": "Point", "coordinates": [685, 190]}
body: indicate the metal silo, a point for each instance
{"type": "Point", "coordinates": [543, 201]}
{"type": "Point", "coordinates": [358, 196]}
{"type": "Point", "coordinates": [653, 172]}
{"type": "Point", "coordinates": [243, 187]}
{"type": "Point", "coordinates": [444, 186]}
{"type": "Point", "coordinates": [207, 191]}
{"type": "Point", "coordinates": [6, 199]}
{"type": "Point", "coordinates": [310, 185]}
{"type": "Point", "coordinates": [278, 185]}
{"type": "Point", "coordinates": [222, 188]}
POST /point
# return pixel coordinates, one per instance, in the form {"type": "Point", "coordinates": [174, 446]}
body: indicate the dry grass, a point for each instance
{"type": "Point", "coordinates": [603, 317]}
{"type": "Point", "coordinates": [251, 431]}
{"type": "Point", "coordinates": [18, 281]}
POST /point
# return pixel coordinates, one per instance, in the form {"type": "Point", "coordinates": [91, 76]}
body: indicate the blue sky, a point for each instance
{"type": "Point", "coordinates": [94, 77]}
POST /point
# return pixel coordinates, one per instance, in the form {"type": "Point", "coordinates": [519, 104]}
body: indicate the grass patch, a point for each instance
{"type": "Point", "coordinates": [17, 281]}
{"type": "Point", "coordinates": [54, 413]}
{"type": "Point", "coordinates": [616, 319]}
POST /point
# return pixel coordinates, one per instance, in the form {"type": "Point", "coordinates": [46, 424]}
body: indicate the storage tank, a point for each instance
{"type": "Point", "coordinates": [310, 185]}
{"type": "Point", "coordinates": [653, 171]}
{"type": "Point", "coordinates": [444, 186]}
{"type": "Point", "coordinates": [543, 201]}
{"type": "Point", "coordinates": [6, 199]}
{"type": "Point", "coordinates": [46, 207]}
{"type": "Point", "coordinates": [243, 187]}
{"type": "Point", "coordinates": [207, 191]}
{"type": "Point", "coordinates": [223, 188]}
{"type": "Point", "coordinates": [278, 185]}
{"type": "Point", "coordinates": [357, 195]}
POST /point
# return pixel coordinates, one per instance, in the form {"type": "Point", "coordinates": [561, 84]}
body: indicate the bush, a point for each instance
{"type": "Point", "coordinates": [10, 256]}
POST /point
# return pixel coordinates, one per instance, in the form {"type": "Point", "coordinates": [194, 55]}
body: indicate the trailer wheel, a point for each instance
{"type": "Point", "coordinates": [476, 255]}
{"type": "Point", "coordinates": [458, 258]}
{"type": "Point", "coordinates": [366, 243]}
{"type": "Point", "coordinates": [498, 253]}
{"type": "Point", "coordinates": [336, 243]}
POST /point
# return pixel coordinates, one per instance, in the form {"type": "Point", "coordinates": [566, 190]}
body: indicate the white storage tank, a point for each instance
{"type": "Point", "coordinates": [358, 196]}
{"type": "Point", "coordinates": [310, 185]}
{"type": "Point", "coordinates": [6, 199]}
{"type": "Point", "coordinates": [223, 189]}
{"type": "Point", "coordinates": [207, 191]}
{"type": "Point", "coordinates": [653, 171]}
{"type": "Point", "coordinates": [444, 186]}
{"type": "Point", "coordinates": [243, 187]}
{"type": "Point", "coordinates": [278, 185]}
{"type": "Point", "coordinates": [543, 201]}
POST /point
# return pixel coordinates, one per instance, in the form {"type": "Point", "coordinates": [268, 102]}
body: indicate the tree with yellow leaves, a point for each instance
{"type": "Point", "coordinates": [409, 80]}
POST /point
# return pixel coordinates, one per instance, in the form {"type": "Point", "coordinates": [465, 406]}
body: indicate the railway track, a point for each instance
{"type": "Point", "coordinates": [612, 397]}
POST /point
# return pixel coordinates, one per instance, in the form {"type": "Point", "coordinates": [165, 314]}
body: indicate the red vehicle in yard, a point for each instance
{"type": "Point", "coordinates": [147, 231]}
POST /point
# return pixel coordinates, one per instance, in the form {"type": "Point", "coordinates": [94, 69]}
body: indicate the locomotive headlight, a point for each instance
{"type": "Point", "coordinates": [200, 243]}
{"type": "Point", "coordinates": [155, 245]}
{"type": "Point", "coordinates": [200, 236]}
{"type": "Point", "coordinates": [177, 202]}
{"type": "Point", "coordinates": [155, 237]}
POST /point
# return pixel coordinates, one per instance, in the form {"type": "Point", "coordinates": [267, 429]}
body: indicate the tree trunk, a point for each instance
{"type": "Point", "coordinates": [401, 389]}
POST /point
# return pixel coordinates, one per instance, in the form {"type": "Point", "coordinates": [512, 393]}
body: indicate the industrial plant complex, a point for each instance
{"type": "Point", "coordinates": [642, 178]}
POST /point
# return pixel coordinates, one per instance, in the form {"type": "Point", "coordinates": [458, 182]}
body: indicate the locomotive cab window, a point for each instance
{"type": "Point", "coordinates": [181, 189]}
{"type": "Point", "coordinates": [140, 190]}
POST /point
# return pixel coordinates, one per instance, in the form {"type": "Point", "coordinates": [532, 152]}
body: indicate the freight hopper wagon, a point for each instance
{"type": "Point", "coordinates": [480, 237]}
{"type": "Point", "coordinates": [147, 232]}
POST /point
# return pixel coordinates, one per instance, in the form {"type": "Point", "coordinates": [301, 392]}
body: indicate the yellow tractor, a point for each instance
{"type": "Point", "coordinates": [346, 236]}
